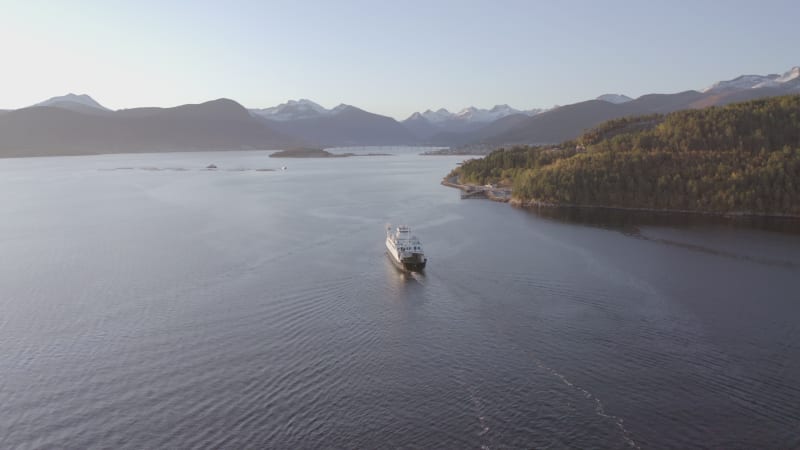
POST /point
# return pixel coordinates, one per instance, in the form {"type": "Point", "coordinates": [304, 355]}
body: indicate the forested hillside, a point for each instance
{"type": "Point", "coordinates": [740, 158]}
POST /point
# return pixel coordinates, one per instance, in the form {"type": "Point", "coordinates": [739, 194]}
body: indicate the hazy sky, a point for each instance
{"type": "Point", "coordinates": [389, 57]}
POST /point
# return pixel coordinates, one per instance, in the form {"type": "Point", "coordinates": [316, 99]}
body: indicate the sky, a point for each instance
{"type": "Point", "coordinates": [388, 57]}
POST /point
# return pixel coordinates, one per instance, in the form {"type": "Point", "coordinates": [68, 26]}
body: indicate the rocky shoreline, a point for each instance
{"type": "Point", "coordinates": [503, 195]}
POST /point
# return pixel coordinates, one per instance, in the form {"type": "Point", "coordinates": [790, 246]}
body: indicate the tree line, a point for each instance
{"type": "Point", "coordinates": [740, 158]}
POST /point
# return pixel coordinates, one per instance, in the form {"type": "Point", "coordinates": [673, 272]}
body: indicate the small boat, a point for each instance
{"type": "Point", "coordinates": [405, 249]}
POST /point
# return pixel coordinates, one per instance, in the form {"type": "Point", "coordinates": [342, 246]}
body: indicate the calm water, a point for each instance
{"type": "Point", "coordinates": [247, 309]}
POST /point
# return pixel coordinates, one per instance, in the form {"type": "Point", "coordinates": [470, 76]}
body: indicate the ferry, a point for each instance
{"type": "Point", "coordinates": [405, 249]}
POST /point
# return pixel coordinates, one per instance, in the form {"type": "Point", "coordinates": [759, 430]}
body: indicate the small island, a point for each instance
{"type": "Point", "coordinates": [317, 153]}
{"type": "Point", "coordinates": [308, 153]}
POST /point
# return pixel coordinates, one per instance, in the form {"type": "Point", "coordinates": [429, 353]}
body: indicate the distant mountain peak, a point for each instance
{"type": "Point", "coordinates": [440, 115]}
{"type": "Point", "coordinates": [791, 74]}
{"type": "Point", "coordinates": [743, 82]}
{"type": "Point", "coordinates": [438, 111]}
{"type": "Point", "coordinates": [300, 109]}
{"type": "Point", "coordinates": [73, 101]}
{"type": "Point", "coordinates": [443, 124]}
{"type": "Point", "coordinates": [222, 101]}
{"type": "Point", "coordinates": [219, 104]}
{"type": "Point", "coordinates": [470, 114]}
{"type": "Point", "coordinates": [615, 98]}
{"type": "Point", "coordinates": [292, 110]}
{"type": "Point", "coordinates": [479, 115]}
{"type": "Point", "coordinates": [308, 103]}
{"type": "Point", "coordinates": [501, 108]}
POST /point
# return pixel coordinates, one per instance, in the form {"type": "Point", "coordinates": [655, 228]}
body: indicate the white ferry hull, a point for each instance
{"type": "Point", "coordinates": [414, 263]}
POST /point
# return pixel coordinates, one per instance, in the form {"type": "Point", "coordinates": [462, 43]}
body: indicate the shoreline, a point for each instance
{"type": "Point", "coordinates": [502, 195]}
{"type": "Point", "coordinates": [134, 152]}
{"type": "Point", "coordinates": [15, 155]}
{"type": "Point", "coordinates": [536, 204]}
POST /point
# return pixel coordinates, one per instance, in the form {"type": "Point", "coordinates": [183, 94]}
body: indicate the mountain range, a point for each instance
{"type": "Point", "coordinates": [567, 122]}
{"type": "Point", "coordinates": [77, 124]}
{"type": "Point", "coordinates": [340, 126]}
{"type": "Point", "coordinates": [440, 126]}
{"type": "Point", "coordinates": [67, 127]}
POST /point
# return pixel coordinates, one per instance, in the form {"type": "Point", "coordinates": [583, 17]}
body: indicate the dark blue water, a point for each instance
{"type": "Point", "coordinates": [154, 308]}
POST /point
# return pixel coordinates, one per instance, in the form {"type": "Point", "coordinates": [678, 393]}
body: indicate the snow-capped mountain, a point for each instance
{"type": "Point", "coordinates": [293, 110]}
{"type": "Point", "coordinates": [470, 114]}
{"type": "Point", "coordinates": [73, 102]}
{"type": "Point", "coordinates": [473, 114]}
{"type": "Point", "coordinates": [438, 116]}
{"type": "Point", "coordinates": [345, 125]}
{"type": "Point", "coordinates": [792, 74]}
{"type": "Point", "coordinates": [740, 82]}
{"type": "Point", "coordinates": [754, 81]}
{"type": "Point", "coordinates": [614, 98]}
{"type": "Point", "coordinates": [431, 123]}
{"type": "Point", "coordinates": [340, 108]}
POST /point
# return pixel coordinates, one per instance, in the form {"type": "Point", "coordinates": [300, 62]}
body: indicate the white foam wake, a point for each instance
{"type": "Point", "coordinates": [599, 409]}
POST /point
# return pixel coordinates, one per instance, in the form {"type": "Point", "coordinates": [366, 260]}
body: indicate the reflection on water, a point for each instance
{"type": "Point", "coordinates": [405, 286]}
{"type": "Point", "coordinates": [698, 233]}
{"type": "Point", "coordinates": [631, 221]}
